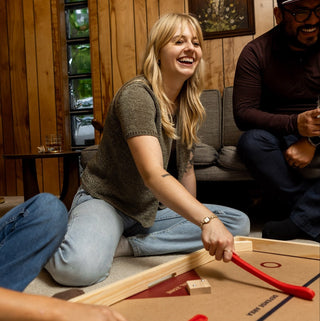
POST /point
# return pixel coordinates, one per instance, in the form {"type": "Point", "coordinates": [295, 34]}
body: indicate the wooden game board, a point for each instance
{"type": "Point", "coordinates": [236, 295]}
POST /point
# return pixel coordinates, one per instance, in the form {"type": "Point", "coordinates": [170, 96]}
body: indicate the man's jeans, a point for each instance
{"type": "Point", "coordinates": [29, 234]}
{"type": "Point", "coordinates": [262, 152]}
{"type": "Point", "coordinates": [95, 227]}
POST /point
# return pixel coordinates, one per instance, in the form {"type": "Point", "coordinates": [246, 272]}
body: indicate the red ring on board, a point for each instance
{"type": "Point", "coordinates": [271, 265]}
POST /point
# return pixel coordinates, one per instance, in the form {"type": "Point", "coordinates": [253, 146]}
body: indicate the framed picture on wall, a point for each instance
{"type": "Point", "coordinates": [224, 18]}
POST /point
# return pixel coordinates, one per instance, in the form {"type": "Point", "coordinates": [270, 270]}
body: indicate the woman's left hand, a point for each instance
{"type": "Point", "coordinates": [217, 240]}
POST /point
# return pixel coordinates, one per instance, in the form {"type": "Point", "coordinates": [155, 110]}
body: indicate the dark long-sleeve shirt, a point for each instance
{"type": "Point", "coordinates": [273, 84]}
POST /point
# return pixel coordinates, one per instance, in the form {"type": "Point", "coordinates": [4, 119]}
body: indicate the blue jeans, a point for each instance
{"type": "Point", "coordinates": [29, 235]}
{"type": "Point", "coordinates": [262, 152]}
{"type": "Point", "coordinates": [95, 227]}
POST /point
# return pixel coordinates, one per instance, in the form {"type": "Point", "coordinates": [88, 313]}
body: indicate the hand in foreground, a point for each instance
{"type": "Point", "coordinates": [217, 240]}
{"type": "Point", "coordinates": [300, 154]}
{"type": "Point", "coordinates": [16, 306]}
{"type": "Point", "coordinates": [88, 312]}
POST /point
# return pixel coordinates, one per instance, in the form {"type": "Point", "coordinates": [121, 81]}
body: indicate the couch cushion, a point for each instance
{"type": "Point", "coordinates": [229, 158]}
{"type": "Point", "coordinates": [219, 174]}
{"type": "Point", "coordinates": [230, 131]}
{"type": "Point", "coordinates": [205, 155]}
{"type": "Point", "coordinates": [210, 131]}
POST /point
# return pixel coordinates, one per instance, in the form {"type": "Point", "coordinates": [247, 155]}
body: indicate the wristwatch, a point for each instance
{"type": "Point", "coordinates": [207, 219]}
{"type": "Point", "coordinates": [314, 141]}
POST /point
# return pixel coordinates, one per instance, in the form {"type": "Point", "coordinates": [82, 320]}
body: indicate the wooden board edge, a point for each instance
{"type": "Point", "coordinates": [289, 248]}
{"type": "Point", "coordinates": [136, 283]}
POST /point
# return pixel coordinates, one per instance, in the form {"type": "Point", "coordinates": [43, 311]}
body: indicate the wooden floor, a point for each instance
{"type": "Point", "coordinates": [9, 203]}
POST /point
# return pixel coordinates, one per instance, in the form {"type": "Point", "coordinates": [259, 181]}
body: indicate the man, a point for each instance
{"type": "Point", "coordinates": [276, 88]}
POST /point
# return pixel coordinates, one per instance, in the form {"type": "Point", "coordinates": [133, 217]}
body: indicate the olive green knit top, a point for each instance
{"type": "Point", "coordinates": [112, 174]}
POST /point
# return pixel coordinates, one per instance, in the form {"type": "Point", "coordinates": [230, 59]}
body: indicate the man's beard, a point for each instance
{"type": "Point", "coordinates": [293, 40]}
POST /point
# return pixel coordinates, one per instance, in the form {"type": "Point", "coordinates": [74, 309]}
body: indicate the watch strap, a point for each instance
{"type": "Point", "coordinates": [314, 141]}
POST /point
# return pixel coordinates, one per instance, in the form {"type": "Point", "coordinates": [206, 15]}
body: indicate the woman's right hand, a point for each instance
{"type": "Point", "coordinates": [217, 240]}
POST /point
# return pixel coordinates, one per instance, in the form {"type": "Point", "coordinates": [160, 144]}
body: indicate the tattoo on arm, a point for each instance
{"type": "Point", "coordinates": [165, 175]}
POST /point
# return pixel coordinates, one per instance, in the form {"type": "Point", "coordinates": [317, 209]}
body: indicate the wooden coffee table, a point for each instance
{"type": "Point", "coordinates": [71, 173]}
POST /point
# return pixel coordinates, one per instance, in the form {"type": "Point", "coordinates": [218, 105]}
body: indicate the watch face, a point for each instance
{"type": "Point", "coordinates": [206, 220]}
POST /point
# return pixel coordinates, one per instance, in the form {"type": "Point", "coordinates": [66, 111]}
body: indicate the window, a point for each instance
{"type": "Point", "coordinates": [79, 73]}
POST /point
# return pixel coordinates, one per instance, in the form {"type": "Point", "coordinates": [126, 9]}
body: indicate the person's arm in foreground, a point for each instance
{"type": "Point", "coordinates": [16, 306]}
{"type": "Point", "coordinates": [147, 155]}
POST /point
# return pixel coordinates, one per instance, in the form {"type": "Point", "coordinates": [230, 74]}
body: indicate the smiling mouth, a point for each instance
{"type": "Point", "coordinates": [186, 60]}
{"type": "Point", "coordinates": [309, 29]}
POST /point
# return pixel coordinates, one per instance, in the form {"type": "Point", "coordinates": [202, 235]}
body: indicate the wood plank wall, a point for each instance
{"type": "Point", "coordinates": [33, 83]}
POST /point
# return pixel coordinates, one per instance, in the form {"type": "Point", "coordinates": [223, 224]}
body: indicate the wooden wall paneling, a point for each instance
{"type": "Point", "coordinates": [61, 72]}
{"type": "Point", "coordinates": [32, 81]}
{"type": "Point", "coordinates": [263, 11]}
{"type": "Point", "coordinates": [18, 76]}
{"type": "Point", "coordinates": [153, 13]}
{"type": "Point", "coordinates": [46, 88]}
{"type": "Point", "coordinates": [105, 54]}
{"type": "Point", "coordinates": [123, 42]}
{"type": "Point", "coordinates": [232, 48]}
{"type": "Point", "coordinates": [18, 84]}
{"type": "Point", "coordinates": [141, 34]}
{"type": "Point", "coordinates": [2, 172]}
{"type": "Point", "coordinates": [8, 167]}
{"type": "Point", "coordinates": [167, 6]}
{"type": "Point", "coordinates": [213, 57]}
{"type": "Point", "coordinates": [3, 27]}
{"type": "Point", "coordinates": [31, 74]}
{"type": "Point", "coordinates": [61, 84]}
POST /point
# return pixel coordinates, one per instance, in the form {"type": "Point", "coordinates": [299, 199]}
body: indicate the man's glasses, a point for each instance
{"type": "Point", "coordinates": [303, 14]}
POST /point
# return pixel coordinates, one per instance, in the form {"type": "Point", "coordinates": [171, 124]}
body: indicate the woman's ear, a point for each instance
{"type": "Point", "coordinates": [278, 15]}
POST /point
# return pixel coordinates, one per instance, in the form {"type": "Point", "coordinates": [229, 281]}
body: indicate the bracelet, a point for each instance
{"type": "Point", "coordinates": [314, 141]}
{"type": "Point", "coordinates": [207, 219]}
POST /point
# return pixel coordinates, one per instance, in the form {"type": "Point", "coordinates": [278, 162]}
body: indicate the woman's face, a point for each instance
{"type": "Point", "coordinates": [180, 57]}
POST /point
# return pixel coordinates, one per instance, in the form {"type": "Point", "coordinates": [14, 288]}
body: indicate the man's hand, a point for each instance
{"type": "Point", "coordinates": [309, 123]}
{"type": "Point", "coordinates": [300, 154]}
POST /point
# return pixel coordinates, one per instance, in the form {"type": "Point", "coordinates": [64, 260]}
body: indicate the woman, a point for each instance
{"type": "Point", "coordinates": [152, 123]}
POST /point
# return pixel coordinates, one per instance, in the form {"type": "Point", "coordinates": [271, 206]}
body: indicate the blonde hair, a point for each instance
{"type": "Point", "coordinates": [191, 111]}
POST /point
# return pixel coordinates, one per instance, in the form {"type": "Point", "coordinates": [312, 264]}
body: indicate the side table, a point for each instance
{"type": "Point", "coordinates": [71, 173]}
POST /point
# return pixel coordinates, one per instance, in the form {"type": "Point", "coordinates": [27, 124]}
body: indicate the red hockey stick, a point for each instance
{"type": "Point", "coordinates": [298, 291]}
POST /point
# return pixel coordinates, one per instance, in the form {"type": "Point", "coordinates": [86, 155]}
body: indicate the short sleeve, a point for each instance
{"type": "Point", "coordinates": [137, 111]}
